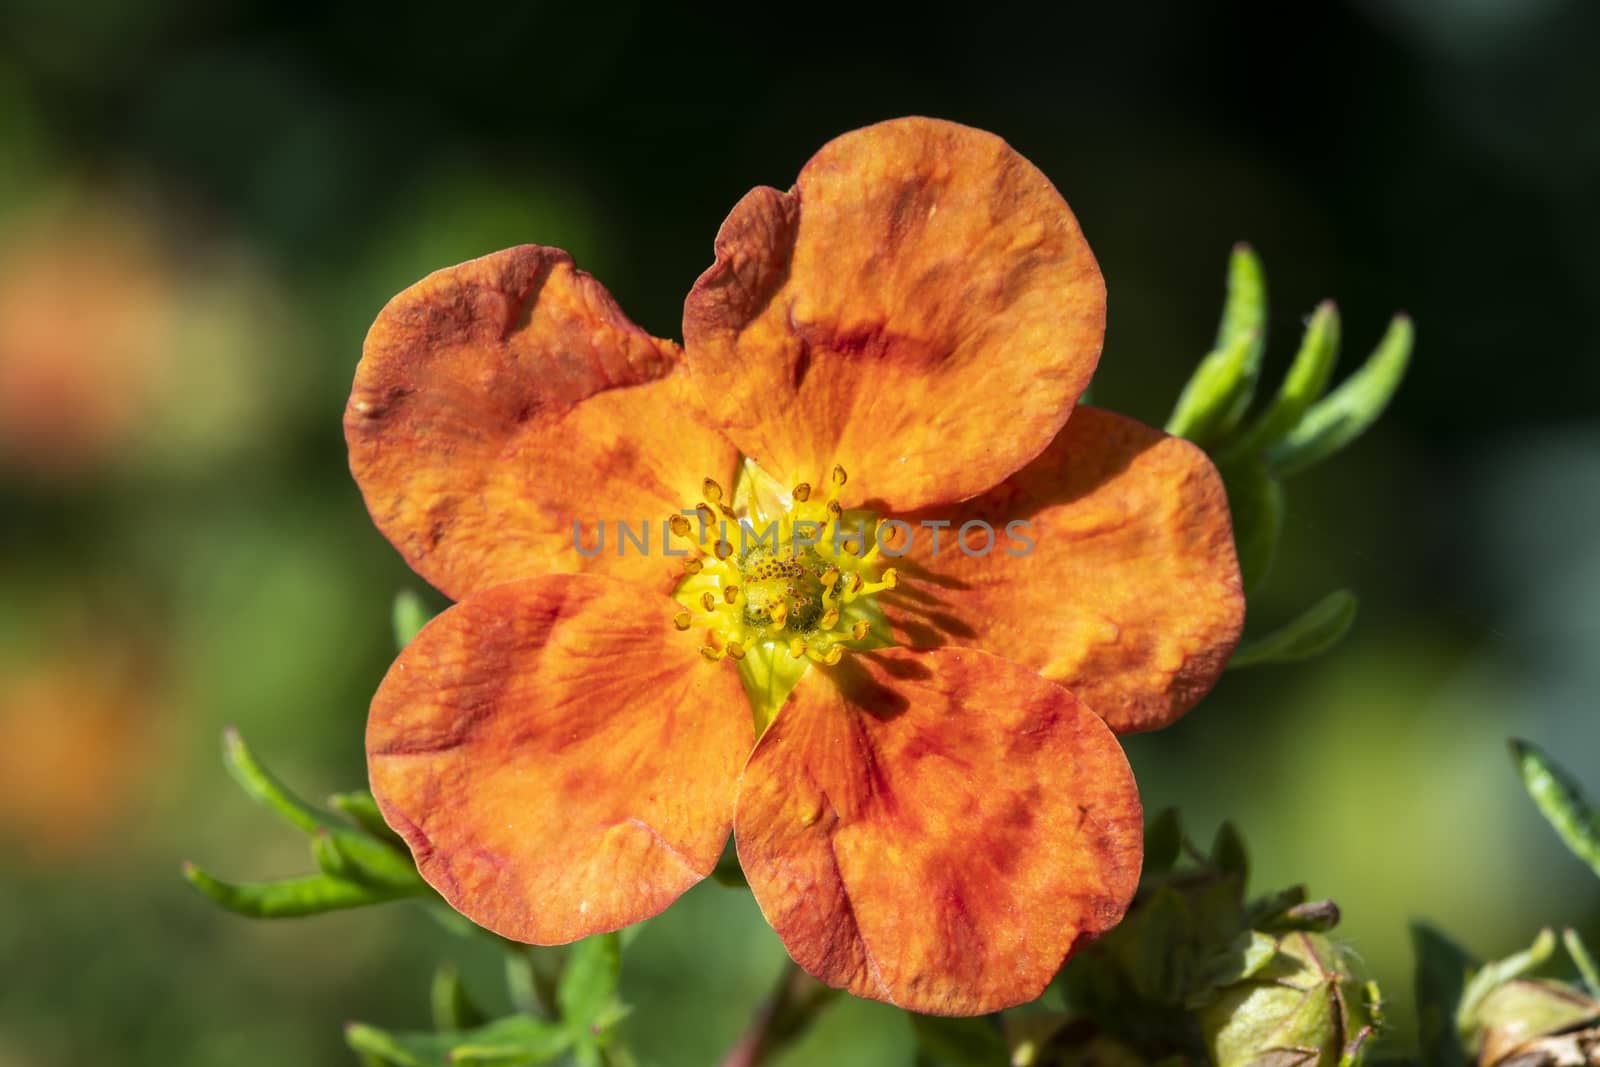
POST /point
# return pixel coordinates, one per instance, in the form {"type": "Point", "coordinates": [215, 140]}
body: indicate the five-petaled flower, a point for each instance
{"type": "Point", "coordinates": [936, 819]}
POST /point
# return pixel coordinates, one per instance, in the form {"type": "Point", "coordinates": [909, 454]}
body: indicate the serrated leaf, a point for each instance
{"type": "Point", "coordinates": [1256, 500]}
{"type": "Point", "coordinates": [1307, 378]}
{"type": "Point", "coordinates": [408, 616]}
{"type": "Point", "coordinates": [589, 981]}
{"type": "Point", "coordinates": [1163, 842]}
{"type": "Point", "coordinates": [376, 861]}
{"type": "Point", "coordinates": [514, 1041]}
{"type": "Point", "coordinates": [1313, 633]}
{"type": "Point", "coordinates": [1219, 392]}
{"type": "Point", "coordinates": [453, 1008]}
{"type": "Point", "coordinates": [292, 897]}
{"type": "Point", "coordinates": [961, 1042]}
{"type": "Point", "coordinates": [1561, 801]}
{"type": "Point", "coordinates": [1441, 975]}
{"type": "Point", "coordinates": [1348, 411]}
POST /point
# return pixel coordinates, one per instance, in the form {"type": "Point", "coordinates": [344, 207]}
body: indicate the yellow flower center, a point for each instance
{"type": "Point", "coordinates": [780, 572]}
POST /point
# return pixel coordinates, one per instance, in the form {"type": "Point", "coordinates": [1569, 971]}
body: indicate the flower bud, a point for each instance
{"type": "Point", "coordinates": [1302, 1008]}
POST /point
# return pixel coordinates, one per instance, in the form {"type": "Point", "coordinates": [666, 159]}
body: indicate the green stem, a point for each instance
{"type": "Point", "coordinates": [794, 1005]}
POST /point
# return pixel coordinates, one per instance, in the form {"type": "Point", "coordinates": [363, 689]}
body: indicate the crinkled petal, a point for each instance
{"type": "Point", "coordinates": [921, 307]}
{"type": "Point", "coordinates": [938, 830]}
{"type": "Point", "coordinates": [1130, 594]}
{"type": "Point", "coordinates": [559, 758]}
{"type": "Point", "coordinates": [499, 401]}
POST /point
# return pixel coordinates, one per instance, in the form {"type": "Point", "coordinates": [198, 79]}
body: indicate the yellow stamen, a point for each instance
{"type": "Point", "coordinates": [802, 492]}
{"type": "Point", "coordinates": [682, 620]}
{"type": "Point", "coordinates": [711, 490]}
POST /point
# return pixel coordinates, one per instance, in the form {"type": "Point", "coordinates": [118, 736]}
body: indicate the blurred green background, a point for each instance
{"type": "Point", "coordinates": [203, 206]}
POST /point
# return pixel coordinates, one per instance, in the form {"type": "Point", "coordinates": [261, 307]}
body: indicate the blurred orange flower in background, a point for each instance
{"type": "Point", "coordinates": [936, 820]}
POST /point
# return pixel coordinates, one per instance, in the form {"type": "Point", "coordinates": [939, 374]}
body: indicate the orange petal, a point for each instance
{"type": "Point", "coordinates": [559, 758]}
{"type": "Point", "coordinates": [938, 830]}
{"type": "Point", "coordinates": [1130, 596]}
{"type": "Point", "coordinates": [921, 307]}
{"type": "Point", "coordinates": [500, 401]}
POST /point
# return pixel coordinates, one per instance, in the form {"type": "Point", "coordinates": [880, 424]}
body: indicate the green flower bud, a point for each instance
{"type": "Point", "coordinates": [1303, 1008]}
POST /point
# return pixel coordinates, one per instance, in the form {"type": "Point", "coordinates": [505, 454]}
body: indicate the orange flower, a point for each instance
{"type": "Point", "coordinates": [932, 821]}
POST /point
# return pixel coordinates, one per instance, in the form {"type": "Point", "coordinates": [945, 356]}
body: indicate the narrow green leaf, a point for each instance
{"type": "Point", "coordinates": [1218, 394]}
{"type": "Point", "coordinates": [1256, 500]}
{"type": "Point", "coordinates": [1228, 853]}
{"type": "Point", "coordinates": [514, 1041]}
{"type": "Point", "coordinates": [590, 979]}
{"type": "Point", "coordinates": [1441, 974]}
{"type": "Point", "coordinates": [1244, 957]}
{"type": "Point", "coordinates": [376, 861]}
{"type": "Point", "coordinates": [1561, 801]}
{"type": "Point", "coordinates": [1312, 634]}
{"type": "Point", "coordinates": [1164, 958]}
{"type": "Point", "coordinates": [973, 1041]}
{"type": "Point", "coordinates": [408, 616]}
{"type": "Point", "coordinates": [291, 898]}
{"type": "Point", "coordinates": [453, 1008]}
{"type": "Point", "coordinates": [1582, 960]}
{"type": "Point", "coordinates": [360, 808]}
{"type": "Point", "coordinates": [1496, 973]}
{"type": "Point", "coordinates": [1302, 386]}
{"type": "Point", "coordinates": [1163, 842]}
{"type": "Point", "coordinates": [1347, 412]}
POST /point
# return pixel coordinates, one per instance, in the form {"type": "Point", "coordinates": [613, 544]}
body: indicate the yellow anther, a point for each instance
{"type": "Point", "coordinates": [711, 490]}
{"type": "Point", "coordinates": [736, 650]}
{"type": "Point", "coordinates": [830, 619]}
{"type": "Point", "coordinates": [682, 620]}
{"type": "Point", "coordinates": [834, 655]}
{"type": "Point", "coordinates": [730, 593]}
{"type": "Point", "coordinates": [802, 492]}
{"type": "Point", "coordinates": [860, 630]}
{"type": "Point", "coordinates": [709, 601]}
{"type": "Point", "coordinates": [856, 582]}
{"type": "Point", "coordinates": [834, 509]}
{"type": "Point", "coordinates": [779, 613]}
{"type": "Point", "coordinates": [692, 566]}
{"type": "Point", "coordinates": [727, 512]}
{"type": "Point", "coordinates": [724, 550]}
{"type": "Point", "coordinates": [890, 579]}
{"type": "Point", "coordinates": [679, 524]}
{"type": "Point", "coordinates": [839, 476]}
{"type": "Point", "coordinates": [711, 653]}
{"type": "Point", "coordinates": [707, 516]}
{"type": "Point", "coordinates": [797, 648]}
{"type": "Point", "coordinates": [829, 577]}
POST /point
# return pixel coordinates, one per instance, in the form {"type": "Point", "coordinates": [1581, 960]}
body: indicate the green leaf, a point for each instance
{"type": "Point", "coordinates": [1256, 500]}
{"type": "Point", "coordinates": [1307, 378]}
{"type": "Point", "coordinates": [962, 1042]}
{"type": "Point", "coordinates": [1244, 957]}
{"type": "Point", "coordinates": [589, 981]}
{"type": "Point", "coordinates": [1319, 629]}
{"type": "Point", "coordinates": [1163, 842]}
{"type": "Point", "coordinates": [360, 808]}
{"type": "Point", "coordinates": [1441, 974]}
{"type": "Point", "coordinates": [514, 1041]}
{"type": "Point", "coordinates": [293, 897]}
{"type": "Point", "coordinates": [453, 1009]}
{"type": "Point", "coordinates": [375, 861]}
{"type": "Point", "coordinates": [1347, 412]}
{"type": "Point", "coordinates": [1582, 960]}
{"type": "Point", "coordinates": [1228, 853]}
{"type": "Point", "coordinates": [1561, 801]}
{"type": "Point", "coordinates": [1496, 973]}
{"type": "Point", "coordinates": [1218, 394]}
{"type": "Point", "coordinates": [408, 616]}
{"type": "Point", "coordinates": [1163, 958]}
